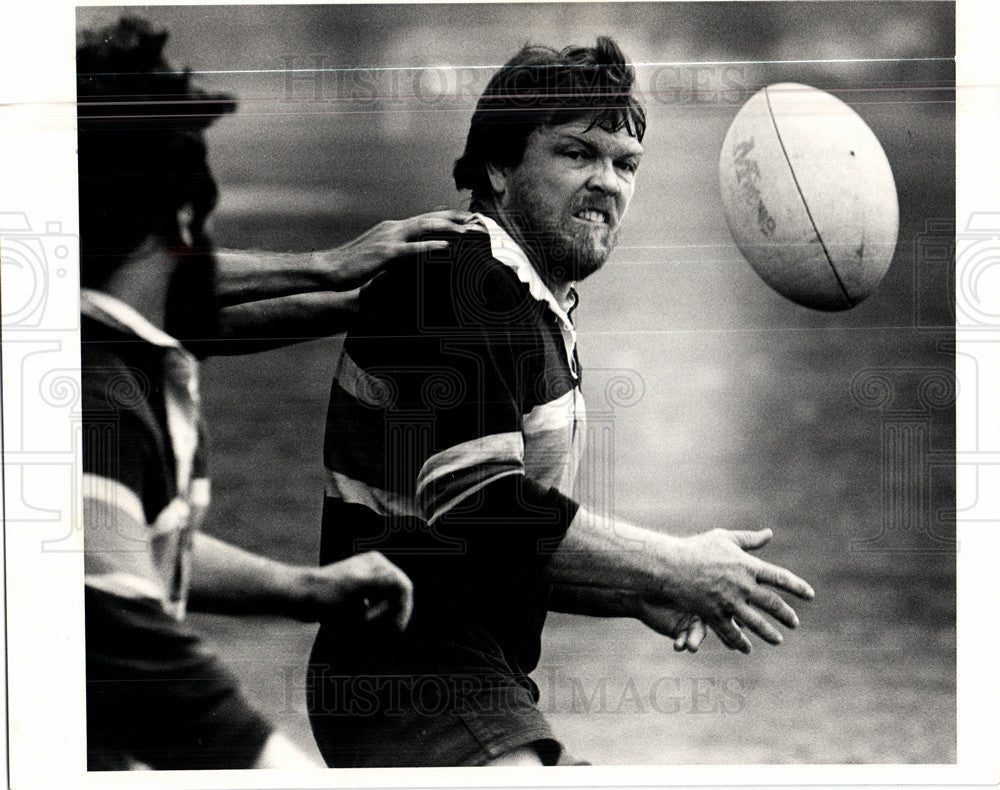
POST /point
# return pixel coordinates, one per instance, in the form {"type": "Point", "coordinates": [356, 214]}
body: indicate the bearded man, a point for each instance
{"type": "Point", "coordinates": [453, 435]}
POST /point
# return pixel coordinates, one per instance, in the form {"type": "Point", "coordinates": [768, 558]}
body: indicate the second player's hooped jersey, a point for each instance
{"type": "Point", "coordinates": [144, 460]}
{"type": "Point", "coordinates": [455, 423]}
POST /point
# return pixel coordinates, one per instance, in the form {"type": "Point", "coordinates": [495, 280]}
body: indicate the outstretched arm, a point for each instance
{"type": "Point", "coordinates": [270, 299]}
{"type": "Point", "coordinates": [362, 589]}
{"type": "Point", "coordinates": [273, 323]}
{"type": "Point", "coordinates": [608, 567]}
{"type": "Point", "coordinates": [252, 275]}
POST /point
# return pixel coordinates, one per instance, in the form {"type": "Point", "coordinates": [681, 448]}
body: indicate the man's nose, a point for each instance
{"type": "Point", "coordinates": [604, 178]}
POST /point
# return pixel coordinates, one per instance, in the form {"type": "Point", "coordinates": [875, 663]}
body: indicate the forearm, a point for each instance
{"type": "Point", "coordinates": [605, 566]}
{"type": "Point", "coordinates": [251, 275]}
{"type": "Point", "coordinates": [272, 323]}
{"type": "Point", "coordinates": [229, 580]}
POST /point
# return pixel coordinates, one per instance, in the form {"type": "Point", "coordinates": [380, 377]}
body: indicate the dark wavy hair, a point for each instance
{"type": "Point", "coordinates": [142, 154]}
{"type": "Point", "coordinates": [541, 86]}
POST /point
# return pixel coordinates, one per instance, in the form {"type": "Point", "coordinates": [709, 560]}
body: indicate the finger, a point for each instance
{"type": "Point", "coordinates": [453, 214]}
{"type": "Point", "coordinates": [375, 610]}
{"type": "Point", "coordinates": [420, 247]}
{"type": "Point", "coordinates": [774, 605]}
{"type": "Point", "coordinates": [444, 225]}
{"type": "Point", "coordinates": [438, 224]}
{"type": "Point", "coordinates": [696, 634]}
{"type": "Point", "coordinates": [396, 602]}
{"type": "Point", "coordinates": [680, 643]}
{"type": "Point", "coordinates": [731, 636]}
{"type": "Point", "coordinates": [402, 597]}
{"type": "Point", "coordinates": [786, 580]}
{"type": "Point", "coordinates": [755, 621]}
{"type": "Point", "coordinates": [750, 539]}
{"type": "Point", "coordinates": [393, 588]}
{"type": "Point", "coordinates": [405, 606]}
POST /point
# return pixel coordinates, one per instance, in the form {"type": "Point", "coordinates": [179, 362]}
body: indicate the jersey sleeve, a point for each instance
{"type": "Point", "coordinates": [155, 694]}
{"type": "Point", "coordinates": [121, 441]}
{"type": "Point", "coordinates": [126, 479]}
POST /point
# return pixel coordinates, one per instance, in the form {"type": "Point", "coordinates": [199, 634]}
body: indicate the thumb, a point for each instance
{"type": "Point", "coordinates": [751, 539]}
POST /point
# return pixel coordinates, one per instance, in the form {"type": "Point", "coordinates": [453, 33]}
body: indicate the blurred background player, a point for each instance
{"type": "Point", "coordinates": [454, 431]}
{"type": "Point", "coordinates": [150, 297]}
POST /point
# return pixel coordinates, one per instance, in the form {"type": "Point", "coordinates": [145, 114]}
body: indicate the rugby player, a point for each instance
{"type": "Point", "coordinates": [155, 696]}
{"type": "Point", "coordinates": [454, 430]}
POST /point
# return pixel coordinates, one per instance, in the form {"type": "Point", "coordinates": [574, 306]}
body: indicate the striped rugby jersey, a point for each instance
{"type": "Point", "coordinates": [144, 483]}
{"type": "Point", "coordinates": [155, 694]}
{"type": "Point", "coordinates": [454, 430]}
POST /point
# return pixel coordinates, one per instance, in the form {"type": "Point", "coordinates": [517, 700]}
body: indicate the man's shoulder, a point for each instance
{"type": "Point", "coordinates": [111, 377]}
{"type": "Point", "coordinates": [461, 285]}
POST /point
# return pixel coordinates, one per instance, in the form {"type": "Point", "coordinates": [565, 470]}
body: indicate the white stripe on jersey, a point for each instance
{"type": "Point", "coordinates": [495, 448]}
{"type": "Point", "coordinates": [385, 503]}
{"type": "Point", "coordinates": [126, 585]}
{"type": "Point", "coordinates": [114, 494]}
{"type": "Point", "coordinates": [554, 441]}
{"type": "Point", "coordinates": [496, 455]}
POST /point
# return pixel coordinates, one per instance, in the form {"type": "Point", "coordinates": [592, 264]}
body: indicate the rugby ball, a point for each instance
{"type": "Point", "coordinates": [809, 196]}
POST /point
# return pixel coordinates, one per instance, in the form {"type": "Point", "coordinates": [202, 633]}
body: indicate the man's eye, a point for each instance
{"type": "Point", "coordinates": [629, 166]}
{"type": "Point", "coordinates": [573, 153]}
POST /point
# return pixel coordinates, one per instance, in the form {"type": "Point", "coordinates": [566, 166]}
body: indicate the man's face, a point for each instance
{"type": "Point", "coordinates": [569, 194]}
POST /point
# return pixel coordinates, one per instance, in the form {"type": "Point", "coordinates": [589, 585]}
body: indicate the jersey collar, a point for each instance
{"type": "Point", "coordinates": [121, 316]}
{"type": "Point", "coordinates": [509, 253]}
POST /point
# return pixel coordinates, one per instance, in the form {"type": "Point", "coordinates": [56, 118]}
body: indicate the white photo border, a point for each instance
{"type": "Point", "coordinates": [43, 602]}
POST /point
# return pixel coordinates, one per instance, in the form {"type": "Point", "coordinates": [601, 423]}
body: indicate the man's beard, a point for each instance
{"type": "Point", "coordinates": [565, 250]}
{"type": "Point", "coordinates": [192, 310]}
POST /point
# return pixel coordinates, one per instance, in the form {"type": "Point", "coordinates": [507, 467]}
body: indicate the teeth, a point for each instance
{"type": "Point", "coordinates": [591, 215]}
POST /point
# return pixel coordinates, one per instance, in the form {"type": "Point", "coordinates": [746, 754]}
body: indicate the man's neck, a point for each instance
{"type": "Point", "coordinates": [142, 280]}
{"type": "Point", "coordinates": [560, 289]}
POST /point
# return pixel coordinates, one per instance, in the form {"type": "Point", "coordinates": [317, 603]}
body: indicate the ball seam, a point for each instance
{"type": "Point", "coordinates": [805, 204]}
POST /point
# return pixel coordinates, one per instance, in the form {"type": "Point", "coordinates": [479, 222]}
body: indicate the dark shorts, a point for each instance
{"type": "Point", "coordinates": [431, 734]}
{"type": "Point", "coordinates": [459, 716]}
{"type": "Point", "coordinates": [156, 696]}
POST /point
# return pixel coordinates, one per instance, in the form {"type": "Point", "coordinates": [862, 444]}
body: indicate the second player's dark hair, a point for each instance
{"type": "Point", "coordinates": [541, 86]}
{"type": "Point", "coordinates": [141, 145]}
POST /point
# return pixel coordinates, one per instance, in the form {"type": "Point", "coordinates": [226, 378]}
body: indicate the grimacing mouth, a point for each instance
{"type": "Point", "coordinates": [596, 216]}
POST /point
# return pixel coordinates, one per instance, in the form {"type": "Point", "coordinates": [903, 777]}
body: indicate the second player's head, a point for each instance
{"type": "Point", "coordinates": [552, 151]}
{"type": "Point", "coordinates": [144, 173]}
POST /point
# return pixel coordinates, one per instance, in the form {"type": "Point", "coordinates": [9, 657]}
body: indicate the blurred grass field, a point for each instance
{"type": "Point", "coordinates": [713, 401]}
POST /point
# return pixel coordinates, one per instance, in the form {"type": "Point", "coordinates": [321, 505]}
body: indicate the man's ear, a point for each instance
{"type": "Point", "coordinates": [498, 178]}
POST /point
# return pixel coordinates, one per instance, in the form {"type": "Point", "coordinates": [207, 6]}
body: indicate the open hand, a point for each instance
{"type": "Point", "coordinates": [712, 576]}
